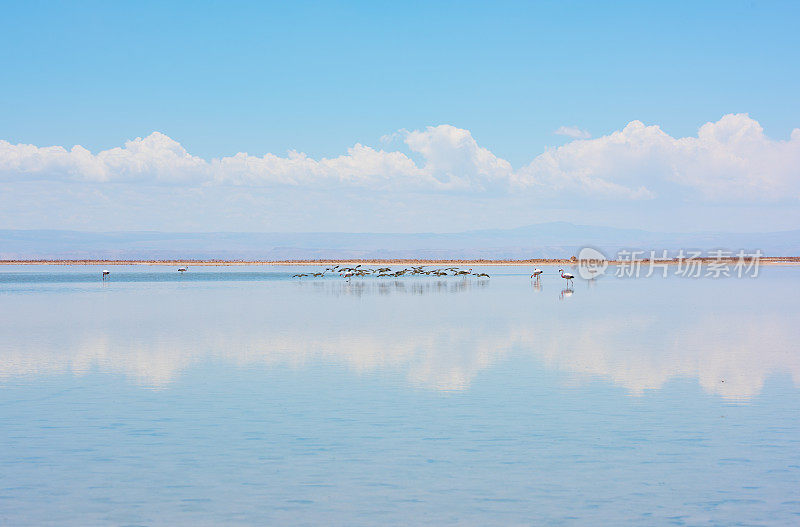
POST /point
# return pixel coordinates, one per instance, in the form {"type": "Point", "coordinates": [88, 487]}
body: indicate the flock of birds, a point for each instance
{"type": "Point", "coordinates": [381, 272]}
{"type": "Point", "coordinates": [359, 271]}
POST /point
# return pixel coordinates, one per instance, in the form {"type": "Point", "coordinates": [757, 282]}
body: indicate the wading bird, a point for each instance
{"type": "Point", "coordinates": [536, 273]}
{"type": "Point", "coordinates": [566, 276]}
{"type": "Point", "coordinates": [106, 273]}
{"type": "Point", "coordinates": [182, 269]}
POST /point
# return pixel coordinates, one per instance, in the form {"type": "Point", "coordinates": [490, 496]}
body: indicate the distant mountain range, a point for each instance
{"type": "Point", "coordinates": [545, 240]}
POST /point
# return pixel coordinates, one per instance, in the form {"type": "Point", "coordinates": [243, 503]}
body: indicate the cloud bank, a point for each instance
{"type": "Point", "coordinates": [729, 160]}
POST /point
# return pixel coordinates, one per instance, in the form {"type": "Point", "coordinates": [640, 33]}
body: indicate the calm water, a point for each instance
{"type": "Point", "coordinates": [242, 396]}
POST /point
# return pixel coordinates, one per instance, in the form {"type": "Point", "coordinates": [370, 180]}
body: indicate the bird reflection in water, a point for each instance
{"type": "Point", "coordinates": [403, 287]}
{"type": "Point", "coordinates": [566, 293]}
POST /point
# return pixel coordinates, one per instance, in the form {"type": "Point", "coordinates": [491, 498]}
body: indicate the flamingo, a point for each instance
{"type": "Point", "coordinates": [536, 273]}
{"type": "Point", "coordinates": [566, 276]}
{"type": "Point", "coordinates": [106, 272]}
{"type": "Point", "coordinates": [182, 269]}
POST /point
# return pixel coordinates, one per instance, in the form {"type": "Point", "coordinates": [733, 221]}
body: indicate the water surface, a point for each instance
{"type": "Point", "coordinates": [240, 395]}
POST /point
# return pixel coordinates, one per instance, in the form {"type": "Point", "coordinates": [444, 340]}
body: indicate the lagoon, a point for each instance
{"type": "Point", "coordinates": [244, 396]}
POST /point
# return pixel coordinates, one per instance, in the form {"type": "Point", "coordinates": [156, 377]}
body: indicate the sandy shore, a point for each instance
{"type": "Point", "coordinates": [771, 260]}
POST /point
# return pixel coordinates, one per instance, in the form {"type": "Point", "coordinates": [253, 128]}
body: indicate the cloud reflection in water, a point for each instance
{"type": "Point", "coordinates": [440, 334]}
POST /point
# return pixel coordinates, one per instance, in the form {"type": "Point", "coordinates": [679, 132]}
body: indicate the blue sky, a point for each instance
{"type": "Point", "coordinates": [318, 78]}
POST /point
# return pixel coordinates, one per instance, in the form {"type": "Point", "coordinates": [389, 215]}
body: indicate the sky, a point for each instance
{"type": "Point", "coordinates": [399, 117]}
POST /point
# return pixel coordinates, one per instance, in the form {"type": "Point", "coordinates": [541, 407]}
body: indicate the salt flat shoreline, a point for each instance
{"type": "Point", "coordinates": [771, 260]}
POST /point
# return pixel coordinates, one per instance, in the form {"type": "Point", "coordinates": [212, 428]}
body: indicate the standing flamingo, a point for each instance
{"type": "Point", "coordinates": [566, 276]}
{"type": "Point", "coordinates": [106, 272]}
{"type": "Point", "coordinates": [536, 273]}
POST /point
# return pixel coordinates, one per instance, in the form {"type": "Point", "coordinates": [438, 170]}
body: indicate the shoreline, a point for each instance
{"type": "Point", "coordinates": [764, 260]}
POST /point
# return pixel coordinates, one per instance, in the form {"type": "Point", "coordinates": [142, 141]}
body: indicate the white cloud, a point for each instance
{"type": "Point", "coordinates": [453, 156]}
{"type": "Point", "coordinates": [362, 166]}
{"type": "Point", "coordinates": [573, 132]}
{"type": "Point", "coordinates": [730, 159]}
{"type": "Point", "coordinates": [155, 158]}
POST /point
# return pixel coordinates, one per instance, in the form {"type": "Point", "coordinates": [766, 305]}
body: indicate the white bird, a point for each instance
{"type": "Point", "coordinates": [182, 269]}
{"type": "Point", "coordinates": [106, 272]}
{"type": "Point", "coordinates": [536, 273]}
{"type": "Point", "coordinates": [566, 276]}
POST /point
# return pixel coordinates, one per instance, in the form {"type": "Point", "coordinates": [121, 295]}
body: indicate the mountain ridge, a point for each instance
{"type": "Point", "coordinates": [543, 240]}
